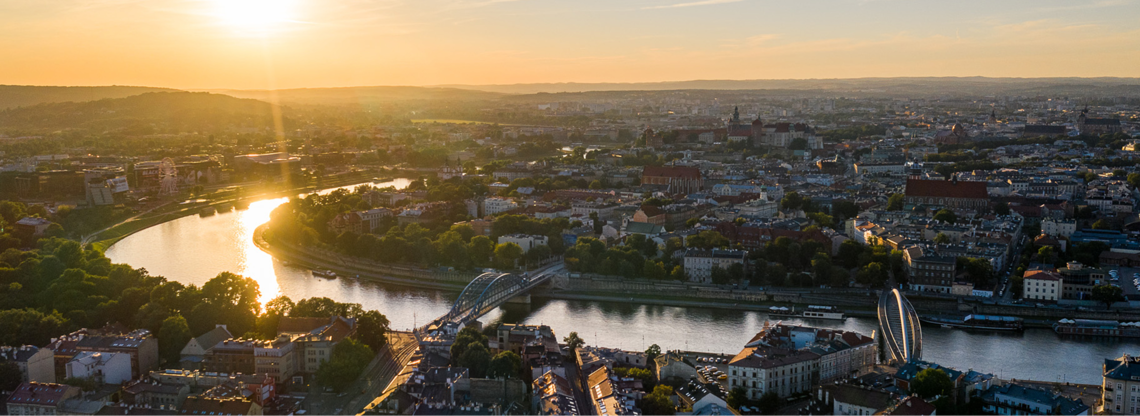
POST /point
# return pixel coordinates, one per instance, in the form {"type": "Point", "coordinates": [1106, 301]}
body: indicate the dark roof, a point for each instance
{"type": "Point", "coordinates": [207, 406]}
{"type": "Point", "coordinates": [912, 406]}
{"type": "Point", "coordinates": [1123, 368]}
{"type": "Point", "coordinates": [1102, 121]}
{"type": "Point", "coordinates": [862, 396]}
{"type": "Point", "coordinates": [41, 394]}
{"type": "Point", "coordinates": [946, 189]}
{"type": "Point", "coordinates": [1044, 129]}
{"type": "Point", "coordinates": [672, 171]}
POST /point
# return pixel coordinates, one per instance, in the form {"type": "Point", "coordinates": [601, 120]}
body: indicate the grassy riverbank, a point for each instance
{"type": "Point", "coordinates": [102, 240]}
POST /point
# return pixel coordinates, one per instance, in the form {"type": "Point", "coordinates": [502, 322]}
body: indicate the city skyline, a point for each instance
{"type": "Point", "coordinates": [258, 44]}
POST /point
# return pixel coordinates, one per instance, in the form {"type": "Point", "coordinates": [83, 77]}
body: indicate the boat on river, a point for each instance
{"type": "Point", "coordinates": [324, 274]}
{"type": "Point", "coordinates": [811, 312]}
{"type": "Point", "coordinates": [1097, 328]}
{"type": "Point", "coordinates": [982, 322]}
{"type": "Point", "coordinates": [207, 211]}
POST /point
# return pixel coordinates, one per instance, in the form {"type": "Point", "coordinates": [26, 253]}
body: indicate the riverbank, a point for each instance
{"type": "Point", "coordinates": [104, 239]}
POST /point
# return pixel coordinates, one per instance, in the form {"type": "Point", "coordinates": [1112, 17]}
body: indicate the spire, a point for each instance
{"type": "Point", "coordinates": [735, 114]}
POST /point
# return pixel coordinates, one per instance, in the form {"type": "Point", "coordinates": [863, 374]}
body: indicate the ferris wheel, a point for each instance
{"type": "Point", "coordinates": [168, 177]}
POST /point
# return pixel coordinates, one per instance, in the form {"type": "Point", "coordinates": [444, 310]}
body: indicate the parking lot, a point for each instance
{"type": "Point", "coordinates": [1126, 274]}
{"type": "Point", "coordinates": [711, 368]}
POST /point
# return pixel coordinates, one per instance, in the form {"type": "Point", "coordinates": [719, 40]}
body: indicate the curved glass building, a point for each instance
{"type": "Point", "coordinates": [899, 326]}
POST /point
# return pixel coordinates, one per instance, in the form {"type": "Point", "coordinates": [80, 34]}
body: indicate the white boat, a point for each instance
{"type": "Point", "coordinates": [811, 312]}
{"type": "Point", "coordinates": [327, 274]}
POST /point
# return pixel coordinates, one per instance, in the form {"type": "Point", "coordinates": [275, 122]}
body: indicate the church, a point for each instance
{"type": "Point", "coordinates": [779, 135]}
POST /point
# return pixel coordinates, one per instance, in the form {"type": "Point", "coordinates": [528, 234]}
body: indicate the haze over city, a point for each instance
{"type": "Point", "coordinates": [259, 44]}
{"type": "Point", "coordinates": [591, 207]}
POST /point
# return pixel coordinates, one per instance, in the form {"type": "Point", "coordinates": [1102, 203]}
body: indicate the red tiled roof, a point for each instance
{"type": "Point", "coordinates": [946, 189]}
{"type": "Point", "coordinates": [672, 171]}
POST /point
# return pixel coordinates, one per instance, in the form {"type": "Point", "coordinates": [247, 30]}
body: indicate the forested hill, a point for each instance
{"type": "Point", "coordinates": [28, 95]}
{"type": "Point", "coordinates": [362, 95]}
{"type": "Point", "coordinates": [149, 113]}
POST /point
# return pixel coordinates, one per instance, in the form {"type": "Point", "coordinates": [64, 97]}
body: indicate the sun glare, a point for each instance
{"type": "Point", "coordinates": [255, 15]}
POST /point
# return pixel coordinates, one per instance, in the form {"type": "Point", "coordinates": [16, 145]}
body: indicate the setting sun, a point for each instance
{"type": "Point", "coordinates": [256, 15]}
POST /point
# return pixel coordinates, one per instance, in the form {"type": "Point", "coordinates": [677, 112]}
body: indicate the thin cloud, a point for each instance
{"type": "Point", "coordinates": [693, 4]}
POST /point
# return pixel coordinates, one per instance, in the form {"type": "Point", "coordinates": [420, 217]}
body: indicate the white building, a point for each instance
{"type": "Point", "coordinates": [105, 367]}
{"type": "Point", "coordinates": [525, 241]}
{"type": "Point", "coordinates": [1041, 285]}
{"type": "Point", "coordinates": [728, 189]}
{"type": "Point", "coordinates": [1058, 228]}
{"type": "Point", "coordinates": [700, 263]}
{"type": "Point", "coordinates": [492, 206]}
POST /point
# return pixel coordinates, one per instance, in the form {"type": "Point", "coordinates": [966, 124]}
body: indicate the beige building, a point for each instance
{"type": "Point", "coordinates": [1041, 285]}
{"type": "Point", "coordinates": [35, 364]}
{"type": "Point", "coordinates": [1121, 388]}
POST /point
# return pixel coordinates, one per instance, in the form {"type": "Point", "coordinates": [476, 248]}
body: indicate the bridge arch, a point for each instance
{"type": "Point", "coordinates": [487, 291]}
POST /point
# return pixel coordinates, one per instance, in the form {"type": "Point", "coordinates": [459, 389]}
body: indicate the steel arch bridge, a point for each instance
{"type": "Point", "coordinates": [900, 327]}
{"type": "Point", "coordinates": [486, 292]}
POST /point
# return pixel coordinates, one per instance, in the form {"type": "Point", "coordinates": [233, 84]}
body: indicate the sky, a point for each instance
{"type": "Point", "coordinates": [258, 44]}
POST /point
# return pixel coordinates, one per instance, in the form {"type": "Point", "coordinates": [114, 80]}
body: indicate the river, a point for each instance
{"type": "Point", "coordinates": [193, 249]}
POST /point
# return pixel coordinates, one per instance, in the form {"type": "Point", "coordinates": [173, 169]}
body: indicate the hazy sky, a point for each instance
{"type": "Point", "coordinates": [320, 43]}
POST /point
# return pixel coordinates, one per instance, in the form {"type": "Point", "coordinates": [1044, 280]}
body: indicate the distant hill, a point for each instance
{"type": "Point", "coordinates": [910, 87]}
{"type": "Point", "coordinates": [362, 95]}
{"type": "Point", "coordinates": [26, 95]}
{"type": "Point", "coordinates": [154, 112]}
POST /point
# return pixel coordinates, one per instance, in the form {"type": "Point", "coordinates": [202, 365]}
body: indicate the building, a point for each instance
{"type": "Point", "coordinates": [672, 364]}
{"type": "Point", "coordinates": [276, 358]}
{"type": "Point", "coordinates": [699, 264]}
{"type": "Point", "coordinates": [104, 367]}
{"type": "Point", "coordinates": [211, 406]}
{"type": "Point", "coordinates": [34, 398]}
{"type": "Point", "coordinates": [928, 270]}
{"type": "Point", "coordinates": [1058, 228]}
{"type": "Point", "coordinates": [1078, 281]}
{"type": "Point", "coordinates": [1015, 399]}
{"type": "Point", "coordinates": [525, 241]}
{"type": "Point", "coordinates": [1042, 285]}
{"type": "Point", "coordinates": [495, 205]}
{"type": "Point", "coordinates": [1097, 126]}
{"type": "Point", "coordinates": [35, 364]}
{"type": "Point", "coordinates": [680, 179]}
{"type": "Point", "coordinates": [843, 354]}
{"type": "Point", "coordinates": [910, 406]}
{"type": "Point", "coordinates": [552, 395]}
{"type": "Point", "coordinates": [195, 349]}
{"type": "Point", "coordinates": [760, 369]}
{"type": "Point", "coordinates": [139, 344]}
{"type": "Point", "coordinates": [1121, 387]}
{"type": "Point", "coordinates": [1037, 130]}
{"type": "Point", "coordinates": [952, 193]}
{"type": "Point", "coordinates": [32, 227]}
{"type": "Point", "coordinates": [850, 399]}
{"type": "Point", "coordinates": [155, 395]}
{"type": "Point", "coordinates": [610, 395]}
{"type": "Point", "coordinates": [230, 356]}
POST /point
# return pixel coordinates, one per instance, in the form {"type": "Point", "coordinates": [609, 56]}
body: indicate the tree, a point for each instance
{"type": "Point", "coordinates": [706, 240]}
{"type": "Point", "coordinates": [770, 403]}
{"type": "Point", "coordinates": [821, 266]}
{"type": "Point", "coordinates": [596, 184]}
{"type": "Point", "coordinates": [930, 383]}
{"type": "Point", "coordinates": [896, 202]}
{"type": "Point", "coordinates": [654, 270]}
{"type": "Point", "coordinates": [1001, 208]}
{"type": "Point", "coordinates": [10, 376]}
{"type": "Point", "coordinates": [506, 364]}
{"type": "Point", "coordinates": [1134, 180]}
{"type": "Point", "coordinates": [464, 339]}
{"type": "Point", "coordinates": [573, 341]}
{"type": "Point", "coordinates": [172, 337]}
{"type": "Point", "coordinates": [792, 201]}
{"type": "Point", "coordinates": [678, 273]}
{"type": "Point", "coordinates": [942, 238]}
{"type": "Point", "coordinates": [372, 329]}
{"type": "Point", "coordinates": [946, 216]}
{"type": "Point", "coordinates": [477, 359]}
{"type": "Point", "coordinates": [873, 274]}
{"type": "Point", "coordinates": [659, 402]}
{"type": "Point", "coordinates": [1045, 253]}
{"type": "Point", "coordinates": [348, 360]}
{"type": "Point", "coordinates": [481, 248]}
{"type": "Point", "coordinates": [506, 254]}
{"type": "Point", "coordinates": [737, 397]}
{"type": "Point", "coordinates": [652, 352]}
{"type": "Point", "coordinates": [1101, 224]}
{"type": "Point", "coordinates": [1108, 294]}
